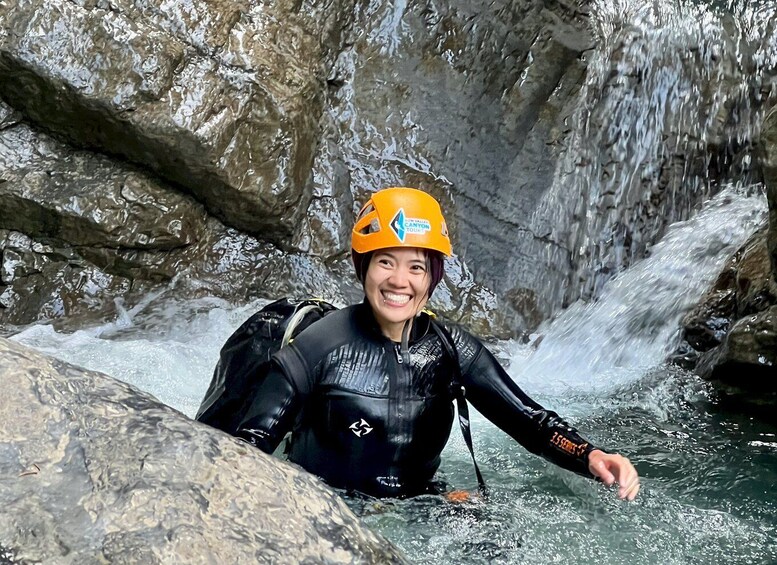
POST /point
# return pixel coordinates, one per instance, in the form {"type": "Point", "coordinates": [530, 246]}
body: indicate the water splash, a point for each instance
{"type": "Point", "coordinates": [634, 325]}
{"type": "Point", "coordinates": [165, 347]}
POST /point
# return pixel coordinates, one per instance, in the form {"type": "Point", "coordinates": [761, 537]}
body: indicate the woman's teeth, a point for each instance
{"type": "Point", "coordinates": [396, 298]}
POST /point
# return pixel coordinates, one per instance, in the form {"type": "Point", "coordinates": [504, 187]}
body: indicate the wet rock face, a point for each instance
{"type": "Point", "coordinates": [79, 232]}
{"type": "Point", "coordinates": [745, 365]}
{"type": "Point", "coordinates": [95, 471]}
{"type": "Point", "coordinates": [142, 102]}
{"type": "Point", "coordinates": [278, 119]}
{"type": "Point", "coordinates": [768, 161]}
{"type": "Point", "coordinates": [43, 280]}
{"type": "Point", "coordinates": [745, 287]}
{"type": "Point", "coordinates": [222, 98]}
{"type": "Point", "coordinates": [731, 336]}
{"type": "Point", "coordinates": [733, 331]}
{"type": "Point", "coordinates": [48, 190]}
{"type": "Point", "coordinates": [466, 100]}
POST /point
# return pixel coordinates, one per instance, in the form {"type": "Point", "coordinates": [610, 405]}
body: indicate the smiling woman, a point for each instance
{"type": "Point", "coordinates": [368, 391]}
{"type": "Point", "coordinates": [397, 288]}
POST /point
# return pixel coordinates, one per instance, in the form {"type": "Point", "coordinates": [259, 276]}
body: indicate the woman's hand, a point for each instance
{"type": "Point", "coordinates": [613, 468]}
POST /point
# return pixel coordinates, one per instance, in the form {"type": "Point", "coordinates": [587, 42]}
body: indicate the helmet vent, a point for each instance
{"type": "Point", "coordinates": [372, 227]}
{"type": "Point", "coordinates": [366, 210]}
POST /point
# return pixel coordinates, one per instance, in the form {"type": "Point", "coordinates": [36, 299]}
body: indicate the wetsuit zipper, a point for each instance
{"type": "Point", "coordinates": [399, 394]}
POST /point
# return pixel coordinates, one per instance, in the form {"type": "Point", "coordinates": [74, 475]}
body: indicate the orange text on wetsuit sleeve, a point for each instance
{"type": "Point", "coordinates": [566, 445]}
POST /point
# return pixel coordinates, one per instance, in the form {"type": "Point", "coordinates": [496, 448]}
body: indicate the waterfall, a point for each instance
{"type": "Point", "coordinates": [673, 99]}
{"type": "Point", "coordinates": [634, 324]}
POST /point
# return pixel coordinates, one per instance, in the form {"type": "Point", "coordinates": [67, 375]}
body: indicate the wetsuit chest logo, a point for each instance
{"type": "Point", "coordinates": [360, 428]}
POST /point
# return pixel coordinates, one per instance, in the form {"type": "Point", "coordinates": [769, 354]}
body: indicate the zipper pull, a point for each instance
{"type": "Point", "coordinates": [398, 354]}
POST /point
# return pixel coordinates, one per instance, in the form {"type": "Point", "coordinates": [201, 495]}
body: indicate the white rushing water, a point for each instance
{"type": "Point", "coordinates": [634, 325]}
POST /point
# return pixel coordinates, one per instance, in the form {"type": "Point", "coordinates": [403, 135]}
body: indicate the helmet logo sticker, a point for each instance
{"type": "Point", "coordinates": [360, 428]}
{"type": "Point", "coordinates": [403, 226]}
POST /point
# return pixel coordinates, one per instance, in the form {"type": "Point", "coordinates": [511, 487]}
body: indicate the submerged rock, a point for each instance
{"type": "Point", "coordinates": [94, 471]}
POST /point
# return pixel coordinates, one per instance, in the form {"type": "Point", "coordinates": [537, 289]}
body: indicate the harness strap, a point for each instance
{"type": "Point", "coordinates": [299, 314]}
{"type": "Point", "coordinates": [460, 392]}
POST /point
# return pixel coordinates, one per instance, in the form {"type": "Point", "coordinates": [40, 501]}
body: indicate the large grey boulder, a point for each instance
{"type": "Point", "coordinates": [94, 471]}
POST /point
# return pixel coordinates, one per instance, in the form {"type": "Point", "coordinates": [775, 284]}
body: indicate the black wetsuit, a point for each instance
{"type": "Point", "coordinates": [370, 417]}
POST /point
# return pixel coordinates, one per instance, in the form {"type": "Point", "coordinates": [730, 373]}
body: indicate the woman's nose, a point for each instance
{"type": "Point", "coordinates": [399, 278]}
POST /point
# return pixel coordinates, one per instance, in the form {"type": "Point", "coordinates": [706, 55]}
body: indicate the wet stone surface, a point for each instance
{"type": "Point", "coordinates": [170, 490]}
{"type": "Point", "coordinates": [208, 99]}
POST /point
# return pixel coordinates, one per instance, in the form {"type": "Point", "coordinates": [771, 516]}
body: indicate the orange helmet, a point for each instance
{"type": "Point", "coordinates": [400, 217]}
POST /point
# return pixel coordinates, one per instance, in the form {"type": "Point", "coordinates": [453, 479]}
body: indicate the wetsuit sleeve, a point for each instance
{"type": "Point", "coordinates": [293, 372]}
{"type": "Point", "coordinates": [277, 403]}
{"type": "Point", "coordinates": [495, 395]}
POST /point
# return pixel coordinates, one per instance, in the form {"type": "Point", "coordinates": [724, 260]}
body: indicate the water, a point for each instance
{"type": "Point", "coordinates": [673, 101]}
{"type": "Point", "coordinates": [708, 476]}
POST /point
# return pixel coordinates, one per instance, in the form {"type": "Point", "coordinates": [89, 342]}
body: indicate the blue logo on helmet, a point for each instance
{"type": "Point", "coordinates": [398, 225]}
{"type": "Point", "coordinates": [402, 225]}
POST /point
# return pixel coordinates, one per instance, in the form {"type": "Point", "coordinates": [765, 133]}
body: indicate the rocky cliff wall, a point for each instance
{"type": "Point", "coordinates": [226, 146]}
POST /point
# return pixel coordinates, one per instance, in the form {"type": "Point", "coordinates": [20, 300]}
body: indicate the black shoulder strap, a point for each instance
{"type": "Point", "coordinates": [460, 392]}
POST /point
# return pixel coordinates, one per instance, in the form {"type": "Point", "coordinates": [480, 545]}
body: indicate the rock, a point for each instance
{"type": "Point", "coordinates": [744, 367]}
{"type": "Point", "coordinates": [83, 232]}
{"type": "Point", "coordinates": [744, 287]}
{"type": "Point", "coordinates": [768, 162]}
{"type": "Point", "coordinates": [78, 286]}
{"type": "Point", "coordinates": [734, 327]}
{"type": "Point", "coordinates": [207, 95]}
{"type": "Point", "coordinates": [466, 100]}
{"type": "Point", "coordinates": [94, 471]}
{"type": "Point", "coordinates": [40, 280]}
{"type": "Point", "coordinates": [748, 353]}
{"type": "Point", "coordinates": [49, 190]}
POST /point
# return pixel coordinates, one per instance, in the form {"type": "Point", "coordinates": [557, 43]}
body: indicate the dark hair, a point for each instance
{"type": "Point", "coordinates": [435, 266]}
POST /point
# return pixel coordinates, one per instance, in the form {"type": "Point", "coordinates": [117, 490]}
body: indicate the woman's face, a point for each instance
{"type": "Point", "coordinates": [397, 287]}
